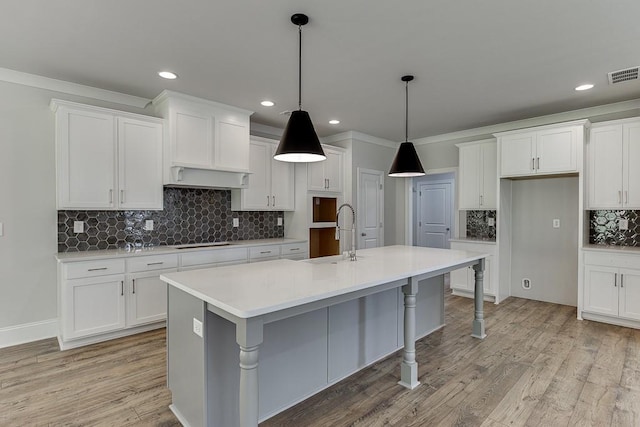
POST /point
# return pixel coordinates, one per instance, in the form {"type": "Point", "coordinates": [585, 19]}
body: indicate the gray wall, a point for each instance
{"type": "Point", "coordinates": [547, 256]}
{"type": "Point", "coordinates": [27, 207]}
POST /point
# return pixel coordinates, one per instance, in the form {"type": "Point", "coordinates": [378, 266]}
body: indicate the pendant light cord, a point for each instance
{"type": "Point", "coordinates": [406, 112]}
{"type": "Point", "coordinates": [300, 68]}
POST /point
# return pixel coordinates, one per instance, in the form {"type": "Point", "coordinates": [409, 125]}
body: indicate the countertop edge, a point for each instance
{"type": "Point", "coordinates": [633, 250]}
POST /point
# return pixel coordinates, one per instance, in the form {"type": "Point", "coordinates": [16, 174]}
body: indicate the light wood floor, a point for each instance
{"type": "Point", "coordinates": [538, 366]}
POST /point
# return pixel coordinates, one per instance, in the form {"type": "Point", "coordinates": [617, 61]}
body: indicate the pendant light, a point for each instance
{"type": "Point", "coordinates": [299, 141]}
{"type": "Point", "coordinates": [406, 163]}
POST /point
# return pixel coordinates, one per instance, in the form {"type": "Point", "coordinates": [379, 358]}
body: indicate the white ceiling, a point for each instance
{"type": "Point", "coordinates": [476, 63]}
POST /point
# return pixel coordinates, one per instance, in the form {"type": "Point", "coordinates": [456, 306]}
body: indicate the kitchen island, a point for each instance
{"type": "Point", "coordinates": [300, 326]}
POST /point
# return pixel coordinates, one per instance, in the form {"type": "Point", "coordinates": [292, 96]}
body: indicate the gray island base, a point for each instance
{"type": "Point", "coordinates": [246, 342]}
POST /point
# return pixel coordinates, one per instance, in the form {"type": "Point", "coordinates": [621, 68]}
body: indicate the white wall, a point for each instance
{"type": "Point", "coordinates": [28, 211]}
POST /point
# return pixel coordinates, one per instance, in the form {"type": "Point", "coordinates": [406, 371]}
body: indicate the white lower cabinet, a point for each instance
{"type": "Point", "coordinates": [612, 288]}
{"type": "Point", "coordinates": [463, 281]}
{"type": "Point", "coordinates": [146, 298]}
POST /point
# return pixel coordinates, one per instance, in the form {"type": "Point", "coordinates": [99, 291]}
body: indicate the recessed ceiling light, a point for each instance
{"type": "Point", "coordinates": [584, 87]}
{"type": "Point", "coordinates": [267, 103]}
{"type": "Point", "coordinates": [168, 75]}
{"type": "Point", "coordinates": [334, 122]}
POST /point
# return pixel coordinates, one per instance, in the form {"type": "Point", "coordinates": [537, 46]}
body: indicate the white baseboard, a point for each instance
{"type": "Point", "coordinates": [28, 332]}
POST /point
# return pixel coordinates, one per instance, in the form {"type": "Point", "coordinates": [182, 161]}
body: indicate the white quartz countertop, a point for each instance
{"type": "Point", "coordinates": [162, 250]}
{"type": "Point", "coordinates": [473, 240]}
{"type": "Point", "coordinates": [612, 248]}
{"type": "Point", "coordinates": [251, 290]}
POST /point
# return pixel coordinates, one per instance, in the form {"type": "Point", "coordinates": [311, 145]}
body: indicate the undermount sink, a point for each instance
{"type": "Point", "coordinates": [201, 245]}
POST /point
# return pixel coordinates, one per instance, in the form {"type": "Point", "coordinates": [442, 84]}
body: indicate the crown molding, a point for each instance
{"type": "Point", "coordinates": [41, 82]}
{"type": "Point", "coordinates": [485, 131]}
{"type": "Point", "coordinates": [360, 137]}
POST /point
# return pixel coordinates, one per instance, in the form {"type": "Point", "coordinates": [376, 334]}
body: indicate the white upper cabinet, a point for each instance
{"type": "Point", "coordinates": [614, 165]}
{"type": "Point", "coordinates": [107, 159]}
{"type": "Point", "coordinates": [545, 150]}
{"type": "Point", "coordinates": [271, 183]}
{"type": "Point", "coordinates": [478, 175]}
{"type": "Point", "coordinates": [204, 134]}
{"type": "Point", "coordinates": [327, 174]}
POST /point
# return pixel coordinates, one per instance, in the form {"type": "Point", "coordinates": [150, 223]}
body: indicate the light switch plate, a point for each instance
{"type": "Point", "coordinates": [556, 223]}
{"type": "Point", "coordinates": [236, 222]}
{"type": "Point", "coordinates": [197, 327]}
{"type": "Point", "coordinates": [148, 225]}
{"type": "Point", "coordinates": [623, 224]}
{"type": "Point", "coordinates": [78, 227]}
{"type": "Point", "coordinates": [491, 222]}
{"type": "Point", "coordinates": [279, 221]}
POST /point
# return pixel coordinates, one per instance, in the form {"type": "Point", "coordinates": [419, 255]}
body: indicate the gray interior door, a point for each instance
{"type": "Point", "coordinates": [434, 214]}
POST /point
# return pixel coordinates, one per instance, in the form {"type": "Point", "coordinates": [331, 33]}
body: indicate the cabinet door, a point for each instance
{"type": "Point", "coordinates": [489, 176]}
{"type": "Point", "coordinates": [470, 169]}
{"type": "Point", "coordinates": [282, 184]}
{"type": "Point", "coordinates": [315, 176]}
{"type": "Point", "coordinates": [517, 154]}
{"type": "Point", "coordinates": [232, 145]}
{"type": "Point", "coordinates": [86, 159]}
{"type": "Point", "coordinates": [605, 167]}
{"type": "Point", "coordinates": [146, 298]}
{"type": "Point", "coordinates": [459, 279]}
{"type": "Point", "coordinates": [257, 195]}
{"type": "Point", "coordinates": [631, 166]}
{"type": "Point", "coordinates": [556, 150]}
{"type": "Point", "coordinates": [629, 302]}
{"type": "Point", "coordinates": [601, 290]}
{"type": "Point", "coordinates": [192, 139]}
{"type": "Point", "coordinates": [139, 164]}
{"type": "Point", "coordinates": [333, 171]}
{"type": "Point", "coordinates": [93, 306]}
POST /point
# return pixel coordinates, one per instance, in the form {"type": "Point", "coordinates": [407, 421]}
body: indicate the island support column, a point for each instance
{"type": "Point", "coordinates": [409, 366]}
{"type": "Point", "coordinates": [478, 321]}
{"type": "Point", "coordinates": [249, 337]}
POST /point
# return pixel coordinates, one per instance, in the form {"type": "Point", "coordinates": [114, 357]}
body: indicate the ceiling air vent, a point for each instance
{"type": "Point", "coordinates": [623, 75]}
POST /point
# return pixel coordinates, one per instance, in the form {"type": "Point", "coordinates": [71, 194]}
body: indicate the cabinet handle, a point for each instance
{"type": "Point", "coordinates": [267, 200]}
{"type": "Point", "coordinates": [111, 196]}
{"type": "Point", "coordinates": [121, 288]}
{"type": "Point", "coordinates": [274, 201]}
{"type": "Point", "coordinates": [134, 285]}
{"type": "Point", "coordinates": [294, 249]}
{"type": "Point", "coordinates": [621, 280]}
{"type": "Point", "coordinates": [481, 200]}
{"type": "Point", "coordinates": [533, 163]}
{"type": "Point", "coordinates": [626, 196]}
{"type": "Point", "coordinates": [265, 252]}
{"type": "Point", "coordinates": [619, 196]}
{"type": "Point", "coordinates": [538, 163]}
{"type": "Point", "coordinates": [155, 263]}
{"type": "Point", "coordinates": [615, 280]}
{"type": "Point", "coordinates": [97, 269]}
{"type": "Point", "coordinates": [121, 196]}
{"type": "Point", "coordinates": [328, 183]}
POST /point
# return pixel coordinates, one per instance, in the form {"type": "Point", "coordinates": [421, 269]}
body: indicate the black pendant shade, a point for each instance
{"type": "Point", "coordinates": [299, 142]}
{"type": "Point", "coordinates": [406, 163]}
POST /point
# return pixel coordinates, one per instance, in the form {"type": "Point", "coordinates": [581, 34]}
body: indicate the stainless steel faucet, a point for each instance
{"type": "Point", "coordinates": [352, 253]}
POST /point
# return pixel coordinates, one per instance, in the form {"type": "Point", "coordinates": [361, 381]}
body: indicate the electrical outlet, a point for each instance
{"type": "Point", "coordinates": [556, 223]}
{"type": "Point", "coordinates": [526, 284]}
{"type": "Point", "coordinates": [491, 222]}
{"type": "Point", "coordinates": [279, 221]}
{"type": "Point", "coordinates": [623, 224]}
{"type": "Point", "coordinates": [148, 225]}
{"type": "Point", "coordinates": [236, 222]}
{"type": "Point", "coordinates": [78, 227]}
{"type": "Point", "coordinates": [197, 327]}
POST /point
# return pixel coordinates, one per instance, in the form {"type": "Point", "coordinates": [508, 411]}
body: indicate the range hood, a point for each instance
{"type": "Point", "coordinates": [189, 177]}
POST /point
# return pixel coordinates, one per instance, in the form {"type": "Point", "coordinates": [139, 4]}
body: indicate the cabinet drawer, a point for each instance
{"type": "Point", "coordinates": [267, 251]}
{"type": "Point", "coordinates": [612, 260]}
{"type": "Point", "coordinates": [155, 262]}
{"type": "Point", "coordinates": [214, 256]}
{"type": "Point", "coordinates": [290, 249]}
{"type": "Point", "coordinates": [103, 267]}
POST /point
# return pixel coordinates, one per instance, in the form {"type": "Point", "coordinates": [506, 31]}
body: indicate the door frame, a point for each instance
{"type": "Point", "coordinates": [410, 202]}
{"type": "Point", "coordinates": [380, 203]}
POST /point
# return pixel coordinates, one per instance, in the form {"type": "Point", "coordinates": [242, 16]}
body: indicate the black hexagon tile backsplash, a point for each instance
{"type": "Point", "coordinates": [478, 225]}
{"type": "Point", "coordinates": [604, 228]}
{"type": "Point", "coordinates": [189, 216]}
